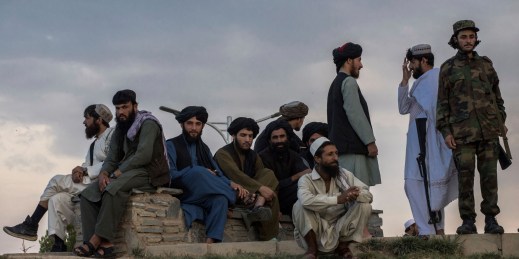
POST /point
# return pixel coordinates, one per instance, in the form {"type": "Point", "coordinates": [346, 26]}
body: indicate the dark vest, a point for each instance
{"type": "Point", "coordinates": [341, 132]}
{"type": "Point", "coordinates": [183, 157]}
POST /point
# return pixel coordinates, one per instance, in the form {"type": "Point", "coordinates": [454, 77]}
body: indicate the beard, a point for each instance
{"type": "Point", "coordinates": [92, 130]}
{"type": "Point", "coordinates": [331, 169]}
{"type": "Point", "coordinates": [189, 138]}
{"type": "Point", "coordinates": [417, 72]}
{"type": "Point", "coordinates": [124, 125]}
{"type": "Point", "coordinates": [280, 148]}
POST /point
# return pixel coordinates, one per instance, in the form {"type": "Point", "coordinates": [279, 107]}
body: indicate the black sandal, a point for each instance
{"type": "Point", "coordinates": [248, 201]}
{"type": "Point", "coordinates": [82, 252]}
{"type": "Point", "coordinates": [108, 252]}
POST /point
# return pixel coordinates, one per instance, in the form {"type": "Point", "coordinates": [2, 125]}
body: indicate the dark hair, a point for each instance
{"type": "Point", "coordinates": [428, 56]}
{"type": "Point", "coordinates": [453, 42]}
{"type": "Point", "coordinates": [91, 111]}
{"type": "Point", "coordinates": [320, 150]}
{"type": "Point", "coordinates": [124, 96]}
{"type": "Point", "coordinates": [279, 124]}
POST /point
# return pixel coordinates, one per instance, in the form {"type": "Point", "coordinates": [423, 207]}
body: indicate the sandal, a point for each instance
{"type": "Point", "coordinates": [82, 252]}
{"type": "Point", "coordinates": [107, 252]}
{"type": "Point", "coordinates": [248, 201]}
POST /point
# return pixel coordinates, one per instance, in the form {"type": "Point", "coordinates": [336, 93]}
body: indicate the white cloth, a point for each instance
{"type": "Point", "coordinates": [420, 102]}
{"type": "Point", "coordinates": [414, 189]}
{"type": "Point", "coordinates": [319, 211]}
{"type": "Point", "coordinates": [60, 188]}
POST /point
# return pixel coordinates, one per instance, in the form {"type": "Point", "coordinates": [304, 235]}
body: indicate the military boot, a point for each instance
{"type": "Point", "coordinates": [491, 226]}
{"type": "Point", "coordinates": [26, 230]}
{"type": "Point", "coordinates": [468, 227]}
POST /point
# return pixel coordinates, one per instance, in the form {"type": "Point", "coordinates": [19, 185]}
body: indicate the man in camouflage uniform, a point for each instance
{"type": "Point", "coordinates": [467, 118]}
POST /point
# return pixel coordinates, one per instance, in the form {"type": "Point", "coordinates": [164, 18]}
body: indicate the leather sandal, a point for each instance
{"type": "Point", "coordinates": [82, 252]}
{"type": "Point", "coordinates": [107, 252]}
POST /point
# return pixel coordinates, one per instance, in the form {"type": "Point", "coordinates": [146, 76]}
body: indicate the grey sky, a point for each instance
{"type": "Point", "coordinates": [237, 58]}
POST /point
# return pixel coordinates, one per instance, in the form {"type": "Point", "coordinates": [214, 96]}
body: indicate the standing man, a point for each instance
{"type": "Point", "coordinates": [207, 192]}
{"type": "Point", "coordinates": [294, 113]}
{"type": "Point", "coordinates": [244, 166]}
{"type": "Point", "coordinates": [468, 94]}
{"type": "Point", "coordinates": [136, 160]}
{"type": "Point", "coordinates": [56, 197]}
{"type": "Point", "coordinates": [420, 102]}
{"type": "Point", "coordinates": [287, 164]}
{"type": "Point", "coordinates": [348, 117]}
{"type": "Point", "coordinates": [333, 205]}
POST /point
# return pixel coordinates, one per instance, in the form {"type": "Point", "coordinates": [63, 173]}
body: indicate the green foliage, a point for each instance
{"type": "Point", "coordinates": [47, 241]}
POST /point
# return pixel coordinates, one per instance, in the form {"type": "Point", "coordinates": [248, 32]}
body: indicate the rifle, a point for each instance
{"type": "Point", "coordinates": [421, 124]}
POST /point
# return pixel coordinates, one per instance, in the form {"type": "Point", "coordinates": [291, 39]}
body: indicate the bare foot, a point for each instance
{"type": "Point", "coordinates": [260, 202]}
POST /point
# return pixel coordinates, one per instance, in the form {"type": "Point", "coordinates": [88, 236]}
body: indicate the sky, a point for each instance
{"type": "Point", "coordinates": [236, 58]}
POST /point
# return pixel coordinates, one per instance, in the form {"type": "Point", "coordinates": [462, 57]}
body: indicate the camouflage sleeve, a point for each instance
{"type": "Point", "coordinates": [494, 79]}
{"type": "Point", "coordinates": [442, 106]}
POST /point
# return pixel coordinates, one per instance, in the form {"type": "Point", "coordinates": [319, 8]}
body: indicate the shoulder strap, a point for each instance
{"type": "Point", "coordinates": [91, 151]}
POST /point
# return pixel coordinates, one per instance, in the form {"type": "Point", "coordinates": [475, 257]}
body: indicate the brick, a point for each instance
{"type": "Point", "coordinates": [144, 213]}
{"type": "Point", "coordinates": [138, 205]}
{"type": "Point", "coordinates": [149, 229]}
{"type": "Point", "coordinates": [161, 213]}
{"type": "Point", "coordinates": [151, 222]}
{"type": "Point", "coordinates": [171, 229]}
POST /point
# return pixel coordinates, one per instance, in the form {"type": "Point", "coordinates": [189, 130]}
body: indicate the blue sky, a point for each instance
{"type": "Point", "coordinates": [236, 58]}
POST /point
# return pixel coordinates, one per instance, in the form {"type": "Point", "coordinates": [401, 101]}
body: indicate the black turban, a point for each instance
{"type": "Point", "coordinates": [279, 124]}
{"type": "Point", "coordinates": [192, 111]}
{"type": "Point", "coordinates": [314, 127]}
{"type": "Point", "coordinates": [346, 51]}
{"type": "Point", "coordinates": [243, 123]}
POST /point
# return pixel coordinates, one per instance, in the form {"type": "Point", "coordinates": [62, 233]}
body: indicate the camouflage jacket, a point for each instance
{"type": "Point", "coordinates": [465, 107]}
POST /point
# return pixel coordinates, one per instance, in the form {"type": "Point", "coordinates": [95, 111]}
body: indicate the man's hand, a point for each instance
{"type": "Point", "coordinates": [104, 180]}
{"type": "Point", "coordinates": [77, 174]}
{"type": "Point", "coordinates": [213, 172]}
{"type": "Point", "coordinates": [372, 149]}
{"type": "Point", "coordinates": [267, 193]}
{"type": "Point", "coordinates": [449, 140]}
{"type": "Point", "coordinates": [242, 192]}
{"type": "Point", "coordinates": [406, 73]}
{"type": "Point", "coordinates": [349, 195]}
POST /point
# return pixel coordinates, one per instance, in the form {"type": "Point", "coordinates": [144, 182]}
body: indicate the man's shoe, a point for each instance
{"type": "Point", "coordinates": [468, 227]}
{"type": "Point", "coordinates": [59, 245]}
{"type": "Point", "coordinates": [26, 230]}
{"type": "Point", "coordinates": [491, 226]}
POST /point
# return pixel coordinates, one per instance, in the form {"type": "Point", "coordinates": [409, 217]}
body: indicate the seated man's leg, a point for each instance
{"type": "Point", "coordinates": [216, 216]}
{"type": "Point", "coordinates": [61, 213]}
{"type": "Point", "coordinates": [198, 183]}
{"type": "Point", "coordinates": [353, 222]}
{"type": "Point", "coordinates": [306, 228]}
{"type": "Point", "coordinates": [269, 229]}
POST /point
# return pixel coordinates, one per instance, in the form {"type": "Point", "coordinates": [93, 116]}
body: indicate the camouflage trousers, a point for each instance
{"type": "Point", "coordinates": [486, 152]}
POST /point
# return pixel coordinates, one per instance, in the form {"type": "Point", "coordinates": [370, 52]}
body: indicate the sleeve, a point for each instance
{"type": "Point", "coordinates": [306, 194]}
{"type": "Point", "coordinates": [499, 99]}
{"type": "Point", "coordinates": [365, 196]}
{"type": "Point", "coordinates": [101, 149]}
{"type": "Point", "coordinates": [113, 157]}
{"type": "Point", "coordinates": [234, 173]}
{"type": "Point", "coordinates": [148, 133]}
{"type": "Point", "coordinates": [172, 158]}
{"type": "Point", "coordinates": [353, 108]}
{"type": "Point", "coordinates": [442, 104]}
{"type": "Point", "coordinates": [404, 101]}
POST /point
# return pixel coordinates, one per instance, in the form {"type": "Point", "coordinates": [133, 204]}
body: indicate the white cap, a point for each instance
{"type": "Point", "coordinates": [408, 223]}
{"type": "Point", "coordinates": [317, 144]}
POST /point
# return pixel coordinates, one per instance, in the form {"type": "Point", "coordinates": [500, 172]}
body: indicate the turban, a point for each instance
{"type": "Point", "coordinates": [278, 124]}
{"type": "Point", "coordinates": [317, 144]}
{"type": "Point", "coordinates": [293, 110]}
{"type": "Point", "coordinates": [192, 111]}
{"type": "Point", "coordinates": [314, 127]}
{"type": "Point", "coordinates": [346, 51]}
{"type": "Point", "coordinates": [408, 223]}
{"type": "Point", "coordinates": [124, 96]}
{"type": "Point", "coordinates": [104, 112]}
{"type": "Point", "coordinates": [243, 123]}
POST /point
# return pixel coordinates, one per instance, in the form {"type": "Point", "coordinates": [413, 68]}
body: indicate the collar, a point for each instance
{"type": "Point", "coordinates": [315, 175]}
{"type": "Point", "coordinates": [463, 56]}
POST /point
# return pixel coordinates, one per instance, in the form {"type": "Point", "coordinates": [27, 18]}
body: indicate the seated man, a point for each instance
{"type": "Point", "coordinates": [56, 197]}
{"type": "Point", "coordinates": [207, 192]}
{"type": "Point", "coordinates": [285, 162]}
{"type": "Point", "coordinates": [311, 132]}
{"type": "Point", "coordinates": [243, 166]}
{"type": "Point", "coordinates": [136, 160]}
{"type": "Point", "coordinates": [410, 228]}
{"type": "Point", "coordinates": [333, 206]}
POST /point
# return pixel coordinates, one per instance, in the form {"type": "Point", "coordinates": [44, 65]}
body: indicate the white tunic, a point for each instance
{"type": "Point", "coordinates": [420, 102]}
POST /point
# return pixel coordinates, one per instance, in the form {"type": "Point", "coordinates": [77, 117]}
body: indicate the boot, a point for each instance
{"type": "Point", "coordinates": [311, 243]}
{"type": "Point", "coordinates": [468, 227]}
{"type": "Point", "coordinates": [26, 230]}
{"type": "Point", "coordinates": [59, 245]}
{"type": "Point", "coordinates": [492, 227]}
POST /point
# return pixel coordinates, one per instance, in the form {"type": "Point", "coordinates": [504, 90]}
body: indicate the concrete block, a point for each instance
{"type": "Point", "coordinates": [194, 250]}
{"type": "Point", "coordinates": [289, 247]}
{"type": "Point", "coordinates": [265, 247]}
{"type": "Point", "coordinates": [510, 245]}
{"type": "Point", "coordinates": [481, 243]}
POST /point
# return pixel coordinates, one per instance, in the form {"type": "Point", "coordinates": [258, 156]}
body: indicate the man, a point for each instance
{"type": "Point", "coordinates": [207, 192]}
{"type": "Point", "coordinates": [410, 228]}
{"type": "Point", "coordinates": [287, 165]}
{"type": "Point", "coordinates": [333, 205]}
{"type": "Point", "coordinates": [468, 94]}
{"type": "Point", "coordinates": [420, 102]}
{"type": "Point", "coordinates": [311, 132]}
{"type": "Point", "coordinates": [56, 197]}
{"type": "Point", "coordinates": [294, 113]}
{"type": "Point", "coordinates": [244, 166]}
{"type": "Point", "coordinates": [348, 117]}
{"type": "Point", "coordinates": [136, 160]}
